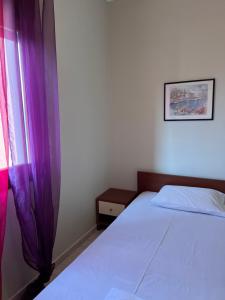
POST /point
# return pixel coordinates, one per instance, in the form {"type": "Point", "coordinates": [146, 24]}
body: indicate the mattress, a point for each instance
{"type": "Point", "coordinates": [151, 253]}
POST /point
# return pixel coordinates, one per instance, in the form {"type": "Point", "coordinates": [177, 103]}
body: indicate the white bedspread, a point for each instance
{"type": "Point", "coordinates": [120, 295]}
{"type": "Point", "coordinates": [153, 253]}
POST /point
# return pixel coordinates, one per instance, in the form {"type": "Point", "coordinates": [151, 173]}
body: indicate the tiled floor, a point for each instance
{"type": "Point", "coordinates": [75, 252]}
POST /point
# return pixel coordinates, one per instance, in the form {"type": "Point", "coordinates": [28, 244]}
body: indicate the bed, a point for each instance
{"type": "Point", "coordinates": [151, 252]}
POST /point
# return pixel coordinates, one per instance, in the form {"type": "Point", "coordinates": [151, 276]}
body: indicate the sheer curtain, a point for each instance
{"type": "Point", "coordinates": [34, 132]}
{"type": "Point", "coordinates": [4, 145]}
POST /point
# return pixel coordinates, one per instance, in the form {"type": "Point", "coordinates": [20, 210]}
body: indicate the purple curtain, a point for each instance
{"type": "Point", "coordinates": [34, 128]}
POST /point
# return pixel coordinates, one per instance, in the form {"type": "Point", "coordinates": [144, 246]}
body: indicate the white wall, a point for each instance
{"type": "Point", "coordinates": [157, 41]}
{"type": "Point", "coordinates": [82, 67]}
{"type": "Point", "coordinates": [83, 72]}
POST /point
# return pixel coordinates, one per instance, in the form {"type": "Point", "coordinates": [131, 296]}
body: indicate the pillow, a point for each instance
{"type": "Point", "coordinates": [201, 200]}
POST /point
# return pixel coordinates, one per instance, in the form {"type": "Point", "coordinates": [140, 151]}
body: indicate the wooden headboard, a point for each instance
{"type": "Point", "coordinates": [148, 181]}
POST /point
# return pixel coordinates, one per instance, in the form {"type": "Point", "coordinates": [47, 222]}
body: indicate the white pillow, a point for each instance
{"type": "Point", "coordinates": [201, 200]}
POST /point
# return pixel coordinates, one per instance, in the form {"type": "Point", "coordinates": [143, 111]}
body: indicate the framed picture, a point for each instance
{"type": "Point", "coordinates": [189, 100]}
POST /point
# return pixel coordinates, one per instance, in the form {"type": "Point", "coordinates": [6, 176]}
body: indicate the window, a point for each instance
{"type": "Point", "coordinates": [17, 120]}
{"type": "Point", "coordinates": [3, 160]}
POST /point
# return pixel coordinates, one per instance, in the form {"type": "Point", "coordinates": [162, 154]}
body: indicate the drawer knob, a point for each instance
{"type": "Point", "coordinates": [110, 209]}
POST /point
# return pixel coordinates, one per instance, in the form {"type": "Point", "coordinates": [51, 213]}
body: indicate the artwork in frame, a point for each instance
{"type": "Point", "coordinates": [189, 100]}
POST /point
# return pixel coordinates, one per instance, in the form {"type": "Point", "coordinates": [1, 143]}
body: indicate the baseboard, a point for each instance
{"type": "Point", "coordinates": [59, 259]}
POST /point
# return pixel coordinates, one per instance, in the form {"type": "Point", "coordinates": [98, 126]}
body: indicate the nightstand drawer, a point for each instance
{"type": "Point", "coordinates": [112, 209]}
{"type": "Point", "coordinates": [110, 204]}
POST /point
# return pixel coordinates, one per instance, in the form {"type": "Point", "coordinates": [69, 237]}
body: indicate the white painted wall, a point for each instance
{"type": "Point", "coordinates": [81, 31]}
{"type": "Point", "coordinates": [157, 41]}
{"type": "Point", "coordinates": [82, 67]}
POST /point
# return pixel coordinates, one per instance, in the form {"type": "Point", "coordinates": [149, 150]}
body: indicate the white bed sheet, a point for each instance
{"type": "Point", "coordinates": [151, 252]}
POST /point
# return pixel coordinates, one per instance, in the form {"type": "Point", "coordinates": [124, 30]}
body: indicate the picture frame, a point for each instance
{"type": "Point", "coordinates": [191, 100]}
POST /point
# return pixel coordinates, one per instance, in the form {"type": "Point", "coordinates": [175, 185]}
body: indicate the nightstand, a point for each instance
{"type": "Point", "coordinates": [110, 204]}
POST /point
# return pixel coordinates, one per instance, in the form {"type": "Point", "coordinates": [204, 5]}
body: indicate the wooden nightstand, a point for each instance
{"type": "Point", "coordinates": [110, 204]}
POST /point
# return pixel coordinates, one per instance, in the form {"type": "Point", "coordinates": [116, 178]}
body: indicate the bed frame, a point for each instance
{"type": "Point", "coordinates": [148, 181]}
